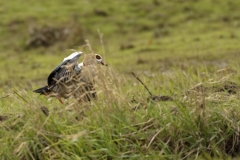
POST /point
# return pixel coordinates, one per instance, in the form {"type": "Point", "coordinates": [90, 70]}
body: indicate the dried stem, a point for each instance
{"type": "Point", "coordinates": [88, 45]}
{"type": "Point", "coordinates": [20, 96]}
{"type": "Point", "coordinates": [101, 41]}
{"type": "Point", "coordinates": [142, 84]}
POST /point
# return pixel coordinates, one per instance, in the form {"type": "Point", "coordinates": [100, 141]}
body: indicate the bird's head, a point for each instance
{"type": "Point", "coordinates": [91, 59]}
{"type": "Point", "coordinates": [100, 60]}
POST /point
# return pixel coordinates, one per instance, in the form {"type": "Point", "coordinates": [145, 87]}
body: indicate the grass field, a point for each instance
{"type": "Point", "coordinates": [186, 53]}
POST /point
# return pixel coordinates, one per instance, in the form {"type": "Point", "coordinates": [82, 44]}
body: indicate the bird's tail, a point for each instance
{"type": "Point", "coordinates": [44, 90]}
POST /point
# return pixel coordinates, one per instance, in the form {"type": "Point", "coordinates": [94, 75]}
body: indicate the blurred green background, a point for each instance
{"type": "Point", "coordinates": [149, 37]}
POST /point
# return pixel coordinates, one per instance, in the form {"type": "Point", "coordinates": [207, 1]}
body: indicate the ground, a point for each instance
{"type": "Point", "coordinates": [186, 53]}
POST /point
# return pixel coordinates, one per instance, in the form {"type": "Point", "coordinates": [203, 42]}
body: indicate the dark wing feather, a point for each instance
{"type": "Point", "coordinates": [54, 75]}
{"type": "Point", "coordinates": [43, 90]}
{"type": "Point", "coordinates": [64, 74]}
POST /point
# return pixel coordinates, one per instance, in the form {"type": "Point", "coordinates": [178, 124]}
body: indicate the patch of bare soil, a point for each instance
{"type": "Point", "coordinates": [46, 36]}
{"type": "Point", "coordinates": [161, 98]}
{"type": "Point", "coordinates": [213, 90]}
{"type": "Point", "coordinates": [44, 110]}
{"type": "Point", "coordinates": [225, 86]}
{"type": "Point", "coordinates": [3, 118]}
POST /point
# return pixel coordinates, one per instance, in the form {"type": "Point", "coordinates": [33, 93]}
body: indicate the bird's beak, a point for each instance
{"type": "Point", "coordinates": [103, 63]}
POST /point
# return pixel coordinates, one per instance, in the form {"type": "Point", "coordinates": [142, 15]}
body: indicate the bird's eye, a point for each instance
{"type": "Point", "coordinates": [98, 57]}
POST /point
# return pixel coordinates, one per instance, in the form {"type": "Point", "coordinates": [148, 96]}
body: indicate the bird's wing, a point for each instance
{"type": "Point", "coordinates": [63, 71]}
{"type": "Point", "coordinates": [59, 72]}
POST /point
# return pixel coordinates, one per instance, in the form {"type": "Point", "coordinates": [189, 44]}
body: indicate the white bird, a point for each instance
{"type": "Point", "coordinates": [72, 79]}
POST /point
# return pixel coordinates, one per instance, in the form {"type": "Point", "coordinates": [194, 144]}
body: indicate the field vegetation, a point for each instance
{"type": "Point", "coordinates": [185, 52]}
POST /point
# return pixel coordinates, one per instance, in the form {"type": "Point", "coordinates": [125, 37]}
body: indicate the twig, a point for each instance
{"type": "Point", "coordinates": [142, 84]}
{"type": "Point", "coordinates": [101, 41]}
{"type": "Point", "coordinates": [20, 96]}
{"type": "Point", "coordinates": [5, 96]}
{"type": "Point", "coordinates": [89, 45]}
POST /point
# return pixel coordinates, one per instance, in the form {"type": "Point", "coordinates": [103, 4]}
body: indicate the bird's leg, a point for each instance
{"type": "Point", "coordinates": [59, 98]}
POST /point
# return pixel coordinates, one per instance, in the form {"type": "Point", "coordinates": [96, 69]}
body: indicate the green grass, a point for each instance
{"type": "Point", "coordinates": [177, 48]}
{"type": "Point", "coordinates": [194, 124]}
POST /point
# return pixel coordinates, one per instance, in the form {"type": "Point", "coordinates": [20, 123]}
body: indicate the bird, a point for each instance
{"type": "Point", "coordinates": [89, 70]}
{"type": "Point", "coordinates": [71, 78]}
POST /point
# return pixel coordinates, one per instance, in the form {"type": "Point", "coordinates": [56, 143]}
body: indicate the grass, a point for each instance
{"type": "Point", "coordinates": [185, 50]}
{"type": "Point", "coordinates": [199, 123]}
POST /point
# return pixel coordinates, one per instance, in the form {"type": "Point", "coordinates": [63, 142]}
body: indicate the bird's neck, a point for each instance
{"type": "Point", "coordinates": [77, 68]}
